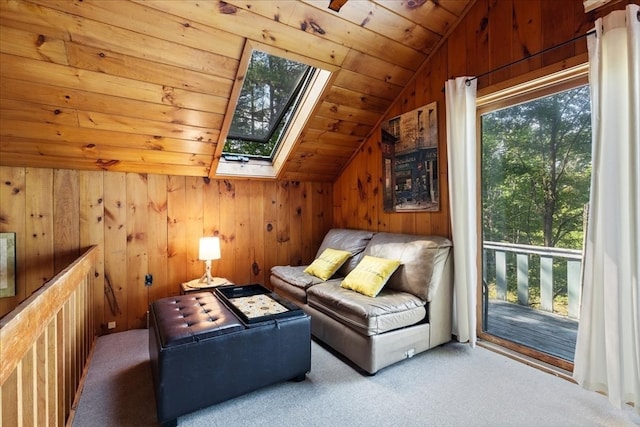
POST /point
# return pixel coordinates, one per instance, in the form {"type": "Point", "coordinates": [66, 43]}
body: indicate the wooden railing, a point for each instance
{"type": "Point", "coordinates": [44, 346]}
{"type": "Point", "coordinates": [547, 255]}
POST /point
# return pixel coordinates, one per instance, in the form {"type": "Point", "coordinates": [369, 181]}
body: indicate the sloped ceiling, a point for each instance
{"type": "Point", "coordinates": [143, 86]}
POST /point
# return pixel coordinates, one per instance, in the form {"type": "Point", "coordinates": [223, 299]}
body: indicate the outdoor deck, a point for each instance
{"type": "Point", "coordinates": [550, 333]}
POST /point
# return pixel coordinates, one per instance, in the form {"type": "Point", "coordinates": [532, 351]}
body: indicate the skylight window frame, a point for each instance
{"type": "Point", "coordinates": [310, 101]}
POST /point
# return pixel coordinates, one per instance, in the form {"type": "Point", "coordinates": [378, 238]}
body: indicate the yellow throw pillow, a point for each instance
{"type": "Point", "coordinates": [327, 263]}
{"type": "Point", "coordinates": [370, 275]}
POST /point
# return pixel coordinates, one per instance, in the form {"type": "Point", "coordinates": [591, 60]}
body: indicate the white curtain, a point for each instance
{"type": "Point", "coordinates": [608, 349]}
{"type": "Point", "coordinates": [461, 154]}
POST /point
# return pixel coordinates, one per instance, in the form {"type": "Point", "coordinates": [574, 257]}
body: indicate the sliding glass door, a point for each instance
{"type": "Point", "coordinates": [536, 169]}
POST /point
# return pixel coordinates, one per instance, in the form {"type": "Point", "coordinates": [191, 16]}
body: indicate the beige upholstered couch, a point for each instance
{"type": "Point", "coordinates": [411, 314]}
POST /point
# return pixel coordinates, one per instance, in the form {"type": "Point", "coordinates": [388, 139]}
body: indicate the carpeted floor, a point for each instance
{"type": "Point", "coordinates": [452, 385]}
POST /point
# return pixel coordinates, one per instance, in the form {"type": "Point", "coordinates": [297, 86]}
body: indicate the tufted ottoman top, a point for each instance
{"type": "Point", "coordinates": [193, 317]}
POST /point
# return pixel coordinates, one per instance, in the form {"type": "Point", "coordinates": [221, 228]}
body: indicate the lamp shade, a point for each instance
{"type": "Point", "coordinates": [209, 248]}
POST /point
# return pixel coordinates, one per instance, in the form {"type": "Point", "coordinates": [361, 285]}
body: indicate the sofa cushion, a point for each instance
{"type": "Point", "coordinates": [295, 275]}
{"type": "Point", "coordinates": [327, 263]}
{"type": "Point", "coordinates": [368, 316]}
{"type": "Point", "coordinates": [370, 275]}
{"type": "Point", "coordinates": [354, 241]}
{"type": "Point", "coordinates": [422, 258]}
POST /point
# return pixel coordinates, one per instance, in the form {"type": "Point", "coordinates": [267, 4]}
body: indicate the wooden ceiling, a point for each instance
{"type": "Point", "coordinates": [143, 86]}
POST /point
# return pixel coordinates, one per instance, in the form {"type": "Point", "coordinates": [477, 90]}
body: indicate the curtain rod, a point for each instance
{"type": "Point", "coordinates": [468, 81]}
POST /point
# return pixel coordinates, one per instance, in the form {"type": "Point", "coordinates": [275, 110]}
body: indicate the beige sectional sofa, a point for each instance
{"type": "Point", "coordinates": [412, 313]}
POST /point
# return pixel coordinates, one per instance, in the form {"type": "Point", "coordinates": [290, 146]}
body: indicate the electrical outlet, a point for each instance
{"type": "Point", "coordinates": [111, 325]}
{"type": "Point", "coordinates": [148, 280]}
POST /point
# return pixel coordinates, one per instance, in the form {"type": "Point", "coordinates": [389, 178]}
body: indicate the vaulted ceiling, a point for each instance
{"type": "Point", "coordinates": [144, 86]}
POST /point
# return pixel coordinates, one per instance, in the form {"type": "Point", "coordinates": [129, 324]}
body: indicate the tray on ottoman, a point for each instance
{"type": "Point", "coordinates": [255, 303]}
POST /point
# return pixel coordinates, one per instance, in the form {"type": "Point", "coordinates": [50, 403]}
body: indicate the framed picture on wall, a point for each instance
{"type": "Point", "coordinates": [7, 265]}
{"type": "Point", "coordinates": [410, 161]}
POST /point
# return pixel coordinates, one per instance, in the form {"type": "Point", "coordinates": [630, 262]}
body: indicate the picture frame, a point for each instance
{"type": "Point", "coordinates": [410, 161]}
{"type": "Point", "coordinates": [7, 265]}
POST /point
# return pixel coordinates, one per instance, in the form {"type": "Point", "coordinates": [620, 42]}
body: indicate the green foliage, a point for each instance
{"type": "Point", "coordinates": [536, 170]}
{"type": "Point", "coordinates": [267, 91]}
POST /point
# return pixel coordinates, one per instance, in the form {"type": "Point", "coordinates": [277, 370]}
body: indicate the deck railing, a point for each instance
{"type": "Point", "coordinates": [44, 347]}
{"type": "Point", "coordinates": [547, 257]}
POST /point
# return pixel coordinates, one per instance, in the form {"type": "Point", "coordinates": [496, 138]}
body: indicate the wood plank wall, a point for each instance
{"type": "Point", "coordinates": [151, 224]}
{"type": "Point", "coordinates": [492, 34]}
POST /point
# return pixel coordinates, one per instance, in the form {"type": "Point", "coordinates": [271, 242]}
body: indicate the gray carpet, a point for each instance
{"type": "Point", "coordinates": [452, 385]}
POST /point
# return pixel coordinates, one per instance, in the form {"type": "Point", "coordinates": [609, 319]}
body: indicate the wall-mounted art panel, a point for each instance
{"type": "Point", "coordinates": [410, 161]}
{"type": "Point", "coordinates": [7, 265]}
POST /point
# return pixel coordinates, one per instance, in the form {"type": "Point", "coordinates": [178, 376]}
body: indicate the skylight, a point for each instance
{"type": "Point", "coordinates": [274, 96]}
{"type": "Point", "coordinates": [271, 92]}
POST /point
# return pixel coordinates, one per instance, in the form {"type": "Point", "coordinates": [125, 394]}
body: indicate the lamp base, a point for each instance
{"type": "Point", "coordinates": [201, 283]}
{"type": "Point", "coordinates": [208, 282]}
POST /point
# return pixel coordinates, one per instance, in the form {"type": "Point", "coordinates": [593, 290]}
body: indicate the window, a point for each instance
{"type": "Point", "coordinates": [270, 94]}
{"type": "Point", "coordinates": [536, 170]}
{"type": "Point", "coordinates": [274, 96]}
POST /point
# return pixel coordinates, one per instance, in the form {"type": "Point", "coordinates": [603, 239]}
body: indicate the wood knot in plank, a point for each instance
{"type": "Point", "coordinates": [135, 236]}
{"type": "Point", "coordinates": [484, 23]}
{"type": "Point", "coordinates": [106, 164]}
{"type": "Point", "coordinates": [267, 36]}
{"type": "Point", "coordinates": [413, 4]}
{"type": "Point", "coordinates": [226, 8]}
{"type": "Point", "coordinates": [366, 20]}
{"type": "Point", "coordinates": [255, 268]}
{"type": "Point", "coordinates": [283, 238]}
{"type": "Point", "coordinates": [229, 187]}
{"type": "Point", "coordinates": [158, 207]}
{"type": "Point", "coordinates": [362, 194]}
{"type": "Point", "coordinates": [313, 26]}
{"type": "Point", "coordinates": [335, 126]}
{"type": "Point", "coordinates": [168, 96]}
{"type": "Point", "coordinates": [227, 239]}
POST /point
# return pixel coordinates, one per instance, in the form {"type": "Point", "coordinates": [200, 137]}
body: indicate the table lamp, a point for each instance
{"type": "Point", "coordinates": [209, 250]}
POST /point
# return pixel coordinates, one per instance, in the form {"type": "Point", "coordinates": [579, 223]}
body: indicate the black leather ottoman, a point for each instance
{"type": "Point", "coordinates": [202, 354]}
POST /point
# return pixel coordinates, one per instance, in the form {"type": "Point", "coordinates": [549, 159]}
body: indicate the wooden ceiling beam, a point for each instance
{"type": "Point", "coordinates": [335, 5]}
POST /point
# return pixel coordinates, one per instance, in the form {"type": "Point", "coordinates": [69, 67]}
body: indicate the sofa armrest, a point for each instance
{"type": "Point", "coordinates": [440, 311]}
{"type": "Point", "coordinates": [422, 258]}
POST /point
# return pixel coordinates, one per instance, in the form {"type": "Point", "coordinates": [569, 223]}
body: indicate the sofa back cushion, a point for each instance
{"type": "Point", "coordinates": [346, 239]}
{"type": "Point", "coordinates": [422, 258]}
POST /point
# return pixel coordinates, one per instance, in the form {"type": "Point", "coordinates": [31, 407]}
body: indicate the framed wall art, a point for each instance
{"type": "Point", "coordinates": [7, 265]}
{"type": "Point", "coordinates": [410, 161]}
